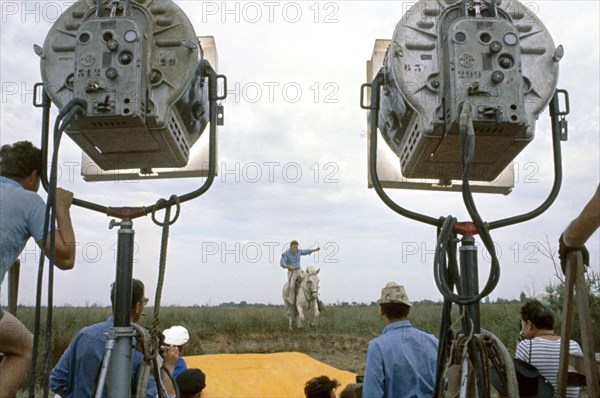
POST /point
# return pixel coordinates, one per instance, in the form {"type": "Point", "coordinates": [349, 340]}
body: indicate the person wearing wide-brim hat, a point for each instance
{"type": "Point", "coordinates": [402, 361]}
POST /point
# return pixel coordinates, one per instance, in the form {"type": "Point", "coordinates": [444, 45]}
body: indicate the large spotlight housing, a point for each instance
{"type": "Point", "coordinates": [138, 66]}
{"type": "Point", "coordinates": [499, 57]}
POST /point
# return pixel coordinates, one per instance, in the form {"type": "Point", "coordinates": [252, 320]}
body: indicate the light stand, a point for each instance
{"type": "Point", "coordinates": [466, 278]}
{"type": "Point", "coordinates": [116, 366]}
{"type": "Point", "coordinates": [119, 369]}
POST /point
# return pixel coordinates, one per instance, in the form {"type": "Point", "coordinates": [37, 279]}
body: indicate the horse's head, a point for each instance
{"type": "Point", "coordinates": [312, 281]}
{"type": "Point", "coordinates": [312, 270]}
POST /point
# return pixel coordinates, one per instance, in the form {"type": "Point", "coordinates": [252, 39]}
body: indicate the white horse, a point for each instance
{"type": "Point", "coordinates": [307, 297]}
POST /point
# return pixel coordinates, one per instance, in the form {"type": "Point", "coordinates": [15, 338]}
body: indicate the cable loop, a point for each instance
{"type": "Point", "coordinates": [167, 211]}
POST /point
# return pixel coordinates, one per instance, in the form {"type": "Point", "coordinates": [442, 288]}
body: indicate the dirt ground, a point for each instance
{"type": "Point", "coordinates": [351, 361]}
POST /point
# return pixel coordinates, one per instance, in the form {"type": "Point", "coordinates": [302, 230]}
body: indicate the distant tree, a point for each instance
{"type": "Point", "coordinates": [522, 297]}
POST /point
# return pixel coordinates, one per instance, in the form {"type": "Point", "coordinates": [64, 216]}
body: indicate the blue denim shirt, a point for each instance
{"type": "Point", "coordinates": [289, 258]}
{"type": "Point", "coordinates": [180, 366]}
{"type": "Point", "coordinates": [401, 363]}
{"type": "Point", "coordinates": [75, 373]}
{"type": "Point", "coordinates": [21, 217]}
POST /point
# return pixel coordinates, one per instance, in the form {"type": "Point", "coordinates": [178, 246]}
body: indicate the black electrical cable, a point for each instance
{"type": "Point", "coordinates": [466, 131]}
{"type": "Point", "coordinates": [173, 382]}
{"type": "Point", "coordinates": [62, 121]}
{"type": "Point", "coordinates": [443, 245]}
{"type": "Point", "coordinates": [439, 268]}
{"type": "Point", "coordinates": [53, 183]}
{"type": "Point", "coordinates": [38, 302]}
{"type": "Point", "coordinates": [446, 334]}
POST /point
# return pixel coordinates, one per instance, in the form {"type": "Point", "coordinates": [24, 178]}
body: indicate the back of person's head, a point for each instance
{"type": "Point", "coordinates": [137, 293]}
{"type": "Point", "coordinates": [19, 160]}
{"type": "Point", "coordinates": [352, 391]}
{"type": "Point", "coordinates": [320, 387]}
{"type": "Point", "coordinates": [538, 314]}
{"type": "Point", "coordinates": [395, 310]}
{"type": "Point", "coordinates": [191, 382]}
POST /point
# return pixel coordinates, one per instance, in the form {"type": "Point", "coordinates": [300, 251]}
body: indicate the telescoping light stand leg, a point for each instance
{"type": "Point", "coordinates": [470, 284]}
{"type": "Point", "coordinates": [471, 324]}
{"type": "Point", "coordinates": [119, 371]}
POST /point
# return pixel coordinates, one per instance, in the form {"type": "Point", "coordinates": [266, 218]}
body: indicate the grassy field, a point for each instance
{"type": "Point", "coordinates": [340, 339]}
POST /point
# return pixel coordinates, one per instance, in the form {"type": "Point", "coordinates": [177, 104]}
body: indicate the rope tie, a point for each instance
{"type": "Point", "coordinates": [165, 224]}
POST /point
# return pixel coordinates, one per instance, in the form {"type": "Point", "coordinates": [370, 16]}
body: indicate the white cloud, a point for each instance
{"type": "Point", "coordinates": [278, 133]}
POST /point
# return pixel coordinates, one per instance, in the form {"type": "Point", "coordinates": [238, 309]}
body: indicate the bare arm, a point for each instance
{"type": "Point", "coordinates": [582, 227]}
{"type": "Point", "coordinates": [170, 356]}
{"type": "Point", "coordinates": [64, 248]}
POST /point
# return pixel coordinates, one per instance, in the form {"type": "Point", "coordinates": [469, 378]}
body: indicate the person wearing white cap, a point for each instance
{"type": "Point", "coordinates": [402, 361]}
{"type": "Point", "coordinates": [177, 337]}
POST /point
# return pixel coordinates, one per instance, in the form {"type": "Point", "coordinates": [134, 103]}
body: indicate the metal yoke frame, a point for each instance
{"type": "Point", "coordinates": [119, 339]}
{"type": "Point", "coordinates": [468, 283]}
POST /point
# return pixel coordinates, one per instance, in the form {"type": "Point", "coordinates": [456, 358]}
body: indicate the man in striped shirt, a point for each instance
{"type": "Point", "coordinates": [541, 346]}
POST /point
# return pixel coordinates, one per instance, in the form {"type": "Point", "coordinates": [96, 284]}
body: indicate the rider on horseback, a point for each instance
{"type": "Point", "coordinates": [290, 260]}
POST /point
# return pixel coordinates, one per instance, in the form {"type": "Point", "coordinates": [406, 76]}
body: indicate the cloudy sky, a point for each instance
{"type": "Point", "coordinates": [293, 163]}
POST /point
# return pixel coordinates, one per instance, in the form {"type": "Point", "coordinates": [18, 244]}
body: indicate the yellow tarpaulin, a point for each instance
{"type": "Point", "coordinates": [279, 375]}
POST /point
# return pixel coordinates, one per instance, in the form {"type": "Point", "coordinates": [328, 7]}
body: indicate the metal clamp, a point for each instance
{"type": "Point", "coordinates": [563, 124]}
{"type": "Point", "coordinates": [35, 95]}
{"type": "Point", "coordinates": [224, 79]}
{"type": "Point", "coordinates": [362, 97]}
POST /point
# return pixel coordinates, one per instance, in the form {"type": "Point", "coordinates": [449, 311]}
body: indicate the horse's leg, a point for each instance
{"type": "Point", "coordinates": [300, 309]}
{"type": "Point", "coordinates": [315, 321]}
{"type": "Point", "coordinates": [289, 308]}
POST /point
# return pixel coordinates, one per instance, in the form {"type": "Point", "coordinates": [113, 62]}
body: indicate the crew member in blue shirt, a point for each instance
{"type": "Point", "coordinates": [290, 260]}
{"type": "Point", "coordinates": [75, 374]}
{"type": "Point", "coordinates": [402, 361]}
{"type": "Point", "coordinates": [22, 217]}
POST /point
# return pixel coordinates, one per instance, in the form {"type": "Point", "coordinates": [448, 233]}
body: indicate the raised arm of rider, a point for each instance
{"type": "Point", "coordinates": [305, 252]}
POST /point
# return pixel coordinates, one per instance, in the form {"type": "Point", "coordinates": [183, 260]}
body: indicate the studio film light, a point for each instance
{"type": "Point", "coordinates": [496, 55]}
{"type": "Point", "coordinates": [138, 65]}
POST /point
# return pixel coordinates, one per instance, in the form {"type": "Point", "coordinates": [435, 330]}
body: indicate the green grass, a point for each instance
{"type": "Point", "coordinates": [263, 329]}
